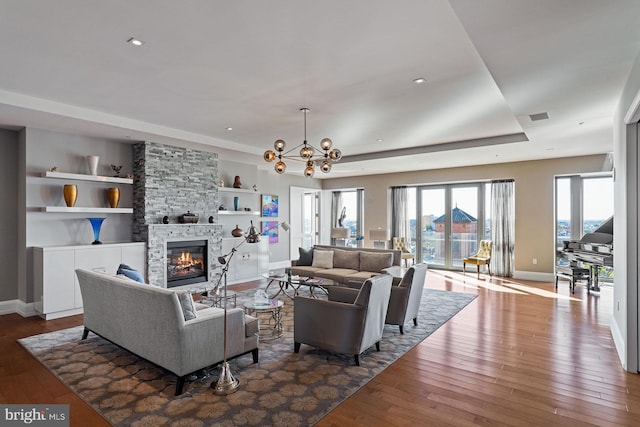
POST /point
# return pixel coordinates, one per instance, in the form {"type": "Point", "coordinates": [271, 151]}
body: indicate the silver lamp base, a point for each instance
{"type": "Point", "coordinates": [226, 383]}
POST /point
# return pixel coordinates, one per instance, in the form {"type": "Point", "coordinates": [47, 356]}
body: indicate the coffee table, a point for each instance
{"type": "Point", "coordinates": [282, 280]}
{"type": "Point", "coordinates": [272, 312]}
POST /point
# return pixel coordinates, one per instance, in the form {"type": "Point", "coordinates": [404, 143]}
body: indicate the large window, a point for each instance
{"type": "Point", "coordinates": [449, 221]}
{"type": "Point", "coordinates": [583, 203]}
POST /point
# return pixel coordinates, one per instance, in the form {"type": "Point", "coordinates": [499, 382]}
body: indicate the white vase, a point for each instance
{"type": "Point", "coordinates": [92, 161]}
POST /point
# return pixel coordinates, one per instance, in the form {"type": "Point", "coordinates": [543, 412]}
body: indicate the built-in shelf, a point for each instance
{"type": "Point", "coordinates": [87, 210]}
{"type": "Point", "coordinates": [236, 190]}
{"type": "Point", "coordinates": [250, 213]}
{"type": "Point", "coordinates": [84, 177]}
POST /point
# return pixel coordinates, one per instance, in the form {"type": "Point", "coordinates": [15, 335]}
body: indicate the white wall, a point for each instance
{"type": "Point", "coordinates": [625, 323]}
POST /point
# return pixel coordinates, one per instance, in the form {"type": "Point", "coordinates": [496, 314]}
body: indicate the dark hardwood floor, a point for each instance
{"type": "Point", "coordinates": [520, 354]}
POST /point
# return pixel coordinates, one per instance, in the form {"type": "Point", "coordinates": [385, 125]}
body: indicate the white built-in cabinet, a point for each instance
{"type": "Point", "coordinates": [56, 289]}
{"type": "Point", "coordinates": [249, 260]}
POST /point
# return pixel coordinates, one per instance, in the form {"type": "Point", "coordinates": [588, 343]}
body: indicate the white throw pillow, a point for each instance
{"type": "Point", "coordinates": [188, 307]}
{"type": "Point", "coordinates": [322, 259]}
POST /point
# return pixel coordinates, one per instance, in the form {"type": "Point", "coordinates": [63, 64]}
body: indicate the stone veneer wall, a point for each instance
{"type": "Point", "coordinates": [169, 181]}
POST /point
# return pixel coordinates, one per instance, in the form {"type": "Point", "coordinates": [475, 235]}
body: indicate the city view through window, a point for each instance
{"type": "Point", "coordinates": [595, 208]}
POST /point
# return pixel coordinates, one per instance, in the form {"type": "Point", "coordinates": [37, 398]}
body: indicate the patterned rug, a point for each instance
{"type": "Point", "coordinates": [283, 389]}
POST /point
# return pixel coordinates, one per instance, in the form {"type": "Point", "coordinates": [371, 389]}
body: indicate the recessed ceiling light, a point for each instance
{"type": "Point", "coordinates": [134, 41]}
{"type": "Point", "coordinates": [379, 140]}
{"type": "Point", "coordinates": [229, 128]}
{"type": "Point", "coordinates": [419, 80]}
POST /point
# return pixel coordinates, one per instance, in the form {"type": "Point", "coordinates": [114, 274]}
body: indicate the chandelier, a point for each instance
{"type": "Point", "coordinates": [306, 153]}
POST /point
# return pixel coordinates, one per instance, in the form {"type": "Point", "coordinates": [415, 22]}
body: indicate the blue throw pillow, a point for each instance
{"type": "Point", "coordinates": [132, 274]}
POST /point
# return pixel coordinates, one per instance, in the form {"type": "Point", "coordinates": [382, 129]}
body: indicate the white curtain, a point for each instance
{"type": "Point", "coordinates": [336, 208]}
{"type": "Point", "coordinates": [502, 227]}
{"type": "Point", "coordinates": [399, 213]}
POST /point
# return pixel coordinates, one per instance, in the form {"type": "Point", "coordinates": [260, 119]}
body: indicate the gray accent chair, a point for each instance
{"type": "Point", "coordinates": [404, 302]}
{"type": "Point", "coordinates": [148, 321]}
{"type": "Point", "coordinates": [347, 323]}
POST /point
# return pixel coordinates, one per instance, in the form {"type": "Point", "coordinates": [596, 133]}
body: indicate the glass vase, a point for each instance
{"type": "Point", "coordinates": [96, 224]}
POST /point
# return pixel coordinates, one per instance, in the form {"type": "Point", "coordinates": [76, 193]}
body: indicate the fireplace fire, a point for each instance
{"type": "Point", "coordinates": [186, 262]}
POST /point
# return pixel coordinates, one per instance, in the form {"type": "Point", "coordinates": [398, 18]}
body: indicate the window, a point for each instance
{"type": "Point", "coordinates": [583, 203]}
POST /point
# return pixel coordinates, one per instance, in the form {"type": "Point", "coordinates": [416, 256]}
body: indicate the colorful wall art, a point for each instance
{"type": "Point", "coordinates": [270, 229]}
{"type": "Point", "coordinates": [269, 205]}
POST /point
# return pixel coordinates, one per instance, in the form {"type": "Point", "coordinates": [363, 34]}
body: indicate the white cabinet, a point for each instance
{"type": "Point", "coordinates": [56, 290]}
{"type": "Point", "coordinates": [249, 260]}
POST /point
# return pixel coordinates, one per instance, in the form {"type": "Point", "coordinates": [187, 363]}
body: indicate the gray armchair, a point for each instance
{"type": "Point", "coordinates": [348, 327]}
{"type": "Point", "coordinates": [404, 302]}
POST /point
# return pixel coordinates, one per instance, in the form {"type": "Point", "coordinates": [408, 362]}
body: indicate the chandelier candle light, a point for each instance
{"type": "Point", "coordinates": [306, 153]}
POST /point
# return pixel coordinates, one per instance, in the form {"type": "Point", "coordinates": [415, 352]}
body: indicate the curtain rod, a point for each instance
{"type": "Point", "coordinates": [502, 180]}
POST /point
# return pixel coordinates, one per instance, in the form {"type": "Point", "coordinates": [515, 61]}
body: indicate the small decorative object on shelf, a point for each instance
{"type": "Point", "coordinates": [117, 170]}
{"type": "Point", "coordinates": [255, 187]}
{"type": "Point", "coordinates": [222, 208]}
{"type": "Point", "coordinates": [188, 218]}
{"type": "Point", "coordinates": [96, 224]}
{"type": "Point", "coordinates": [113, 195]}
{"type": "Point", "coordinates": [70, 194]}
{"type": "Point", "coordinates": [165, 219]}
{"type": "Point", "coordinates": [236, 182]}
{"type": "Point", "coordinates": [221, 183]}
{"type": "Point", "coordinates": [92, 162]}
{"type": "Point", "coordinates": [237, 232]}
{"type": "Point", "coordinates": [235, 203]}
{"type": "Point", "coordinates": [211, 219]}
{"type": "Point", "coordinates": [53, 169]}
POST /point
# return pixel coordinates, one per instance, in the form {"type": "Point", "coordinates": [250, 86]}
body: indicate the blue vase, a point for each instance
{"type": "Point", "coordinates": [96, 224]}
{"type": "Point", "coordinates": [235, 203]}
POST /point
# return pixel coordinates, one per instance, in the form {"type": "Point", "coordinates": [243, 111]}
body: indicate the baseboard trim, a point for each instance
{"type": "Point", "coordinates": [619, 343]}
{"type": "Point", "coordinates": [535, 276]}
{"type": "Point", "coordinates": [17, 306]}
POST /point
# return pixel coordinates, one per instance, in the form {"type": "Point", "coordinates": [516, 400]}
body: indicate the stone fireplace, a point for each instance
{"type": "Point", "coordinates": [168, 182]}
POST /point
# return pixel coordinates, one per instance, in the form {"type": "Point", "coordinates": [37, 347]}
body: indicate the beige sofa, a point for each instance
{"type": "Point", "coordinates": [148, 321]}
{"type": "Point", "coordinates": [347, 266]}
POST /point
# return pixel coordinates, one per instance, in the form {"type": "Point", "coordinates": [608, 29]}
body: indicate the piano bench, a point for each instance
{"type": "Point", "coordinates": [573, 274]}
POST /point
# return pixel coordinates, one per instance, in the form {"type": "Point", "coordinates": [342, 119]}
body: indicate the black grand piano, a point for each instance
{"type": "Point", "coordinates": [586, 256]}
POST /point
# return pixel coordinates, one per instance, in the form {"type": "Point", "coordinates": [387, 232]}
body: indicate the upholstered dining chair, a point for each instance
{"type": "Point", "coordinates": [400, 244]}
{"type": "Point", "coordinates": [347, 323]}
{"type": "Point", "coordinates": [404, 302]}
{"type": "Point", "coordinates": [482, 257]}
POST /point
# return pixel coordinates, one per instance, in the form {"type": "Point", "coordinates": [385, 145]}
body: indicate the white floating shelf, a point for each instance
{"type": "Point", "coordinates": [251, 213]}
{"type": "Point", "coordinates": [87, 210]}
{"type": "Point", "coordinates": [236, 190]}
{"type": "Point", "coordinates": [84, 177]}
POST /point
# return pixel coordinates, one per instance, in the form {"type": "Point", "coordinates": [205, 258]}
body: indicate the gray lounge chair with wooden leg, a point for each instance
{"type": "Point", "coordinates": [340, 326]}
{"type": "Point", "coordinates": [404, 302]}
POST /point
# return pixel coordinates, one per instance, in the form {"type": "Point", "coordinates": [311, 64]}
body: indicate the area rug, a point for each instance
{"type": "Point", "coordinates": [284, 388]}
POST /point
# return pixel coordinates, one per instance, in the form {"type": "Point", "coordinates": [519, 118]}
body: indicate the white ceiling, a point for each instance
{"type": "Point", "coordinates": [207, 65]}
